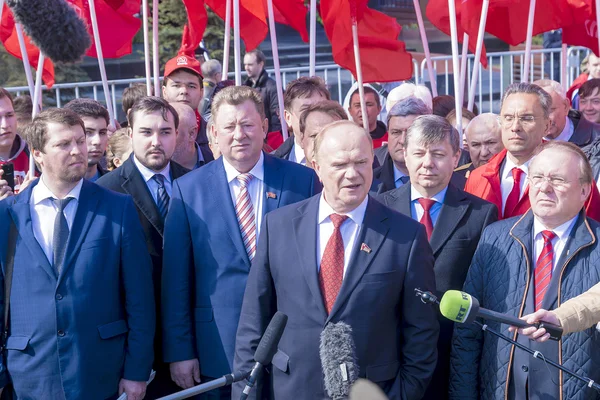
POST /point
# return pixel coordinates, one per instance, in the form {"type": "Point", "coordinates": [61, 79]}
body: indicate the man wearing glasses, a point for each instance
{"type": "Point", "coordinates": [504, 180]}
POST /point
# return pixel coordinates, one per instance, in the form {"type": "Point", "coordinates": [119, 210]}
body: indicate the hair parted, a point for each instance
{"type": "Point", "coordinates": [431, 129]}
{"type": "Point", "coordinates": [302, 88]}
{"type": "Point", "coordinates": [151, 104]}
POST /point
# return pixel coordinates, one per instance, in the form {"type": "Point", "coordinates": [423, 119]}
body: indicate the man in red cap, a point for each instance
{"type": "Point", "coordinates": [183, 84]}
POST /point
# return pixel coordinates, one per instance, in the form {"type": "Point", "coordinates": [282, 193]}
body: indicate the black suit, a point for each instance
{"type": "Point", "coordinates": [127, 179]}
{"type": "Point", "coordinates": [454, 239]}
{"type": "Point", "coordinates": [584, 131]}
{"type": "Point", "coordinates": [285, 149]}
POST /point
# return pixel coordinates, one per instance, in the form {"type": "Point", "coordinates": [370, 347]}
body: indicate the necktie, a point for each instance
{"type": "Point", "coordinates": [426, 218]}
{"type": "Point", "coordinates": [403, 180]}
{"type": "Point", "coordinates": [245, 215]}
{"type": "Point", "coordinates": [162, 197]}
{"type": "Point", "coordinates": [543, 269]}
{"type": "Point", "coordinates": [60, 236]}
{"type": "Point", "coordinates": [515, 193]}
{"type": "Point", "coordinates": [331, 273]}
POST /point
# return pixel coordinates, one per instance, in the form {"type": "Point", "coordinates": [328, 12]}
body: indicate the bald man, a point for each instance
{"type": "Point", "coordinates": [484, 138]}
{"type": "Point", "coordinates": [187, 152]}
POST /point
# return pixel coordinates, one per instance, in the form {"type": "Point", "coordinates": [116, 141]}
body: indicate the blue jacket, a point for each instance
{"type": "Point", "coordinates": [501, 278]}
{"type": "Point", "coordinates": [74, 336]}
{"type": "Point", "coordinates": [205, 265]}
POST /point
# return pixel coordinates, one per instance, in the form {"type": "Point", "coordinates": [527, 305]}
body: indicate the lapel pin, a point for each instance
{"type": "Point", "coordinates": [271, 195]}
{"type": "Point", "coordinates": [365, 248]}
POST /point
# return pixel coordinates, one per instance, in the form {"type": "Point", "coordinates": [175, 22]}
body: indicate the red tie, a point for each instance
{"type": "Point", "coordinates": [543, 269]}
{"type": "Point", "coordinates": [426, 218]}
{"type": "Point", "coordinates": [331, 273]}
{"type": "Point", "coordinates": [515, 194]}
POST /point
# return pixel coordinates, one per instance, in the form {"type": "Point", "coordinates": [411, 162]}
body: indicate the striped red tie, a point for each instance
{"type": "Point", "coordinates": [543, 269]}
{"type": "Point", "coordinates": [245, 215]}
{"type": "Point", "coordinates": [331, 273]}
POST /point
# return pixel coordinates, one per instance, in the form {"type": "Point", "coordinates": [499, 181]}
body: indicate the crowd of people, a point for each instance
{"type": "Point", "coordinates": [169, 242]}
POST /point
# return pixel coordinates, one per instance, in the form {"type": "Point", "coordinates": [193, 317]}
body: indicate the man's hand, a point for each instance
{"type": "Point", "coordinates": [5, 190]}
{"type": "Point", "coordinates": [185, 373]}
{"type": "Point", "coordinates": [534, 333]}
{"type": "Point", "coordinates": [135, 390]}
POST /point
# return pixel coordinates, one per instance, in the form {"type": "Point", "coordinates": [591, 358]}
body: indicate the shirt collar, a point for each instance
{"type": "Point", "coordinates": [397, 173]}
{"type": "Point", "coordinates": [258, 171]}
{"type": "Point", "coordinates": [439, 197]}
{"type": "Point", "coordinates": [299, 154]}
{"type": "Point", "coordinates": [200, 156]}
{"type": "Point", "coordinates": [41, 192]}
{"type": "Point", "coordinates": [562, 231]}
{"type": "Point", "coordinates": [148, 174]}
{"type": "Point", "coordinates": [357, 215]}
{"type": "Point", "coordinates": [509, 165]}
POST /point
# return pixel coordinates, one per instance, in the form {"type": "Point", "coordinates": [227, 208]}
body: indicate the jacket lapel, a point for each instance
{"type": "Point", "coordinates": [492, 174]}
{"type": "Point", "coordinates": [399, 200]}
{"type": "Point", "coordinates": [273, 175]}
{"type": "Point", "coordinates": [372, 233]}
{"type": "Point", "coordinates": [453, 210]}
{"type": "Point", "coordinates": [305, 231]}
{"type": "Point", "coordinates": [387, 175]}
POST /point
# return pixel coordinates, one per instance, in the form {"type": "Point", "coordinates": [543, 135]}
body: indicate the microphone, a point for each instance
{"type": "Point", "coordinates": [365, 389]}
{"type": "Point", "coordinates": [54, 27]}
{"type": "Point", "coordinates": [205, 387]}
{"type": "Point", "coordinates": [338, 359]}
{"type": "Point", "coordinates": [461, 307]}
{"type": "Point", "coordinates": [266, 349]}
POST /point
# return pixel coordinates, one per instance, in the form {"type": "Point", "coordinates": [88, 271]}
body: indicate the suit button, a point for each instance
{"type": "Point", "coordinates": [61, 333]}
{"type": "Point", "coordinates": [524, 368]}
{"type": "Point", "coordinates": [59, 296]}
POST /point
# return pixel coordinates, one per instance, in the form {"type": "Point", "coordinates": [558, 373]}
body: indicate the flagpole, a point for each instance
{"type": "Point", "coordinates": [236, 42]}
{"type": "Point", "coordinates": [313, 38]}
{"type": "Point", "coordinates": [455, 68]}
{"type": "Point", "coordinates": [478, 51]}
{"type": "Point", "coordinates": [226, 40]}
{"type": "Point", "coordinates": [530, 19]}
{"type": "Point", "coordinates": [25, 58]}
{"type": "Point", "coordinates": [430, 71]}
{"type": "Point", "coordinates": [37, 94]}
{"type": "Point", "coordinates": [463, 68]}
{"type": "Point", "coordinates": [359, 78]}
{"type": "Point", "coordinates": [563, 67]}
{"type": "Point", "coordinates": [155, 54]}
{"type": "Point", "coordinates": [278, 82]}
{"type": "Point", "coordinates": [597, 22]}
{"type": "Point", "coordinates": [1, 8]}
{"type": "Point", "coordinates": [146, 48]}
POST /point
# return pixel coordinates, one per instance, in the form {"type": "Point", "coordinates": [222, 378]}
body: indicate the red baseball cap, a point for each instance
{"type": "Point", "coordinates": [183, 61]}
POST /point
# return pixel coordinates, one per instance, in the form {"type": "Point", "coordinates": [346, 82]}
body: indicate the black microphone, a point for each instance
{"type": "Point", "coordinates": [266, 349]}
{"type": "Point", "coordinates": [54, 27]}
{"type": "Point", "coordinates": [463, 308]}
{"type": "Point", "coordinates": [338, 359]}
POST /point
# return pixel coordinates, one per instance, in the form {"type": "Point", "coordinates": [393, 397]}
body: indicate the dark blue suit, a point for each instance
{"type": "Point", "coordinates": [205, 263]}
{"type": "Point", "coordinates": [76, 335]}
{"type": "Point", "coordinates": [395, 334]}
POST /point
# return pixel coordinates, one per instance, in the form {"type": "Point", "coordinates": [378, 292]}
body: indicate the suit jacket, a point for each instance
{"type": "Point", "coordinates": [75, 335]}
{"type": "Point", "coordinates": [285, 149]}
{"type": "Point", "coordinates": [394, 333]}
{"type": "Point", "coordinates": [454, 239]}
{"type": "Point", "coordinates": [206, 266]}
{"type": "Point", "coordinates": [585, 132]}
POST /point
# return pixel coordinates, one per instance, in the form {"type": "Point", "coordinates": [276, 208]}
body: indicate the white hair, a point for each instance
{"type": "Point", "coordinates": [408, 89]}
{"type": "Point", "coordinates": [551, 86]}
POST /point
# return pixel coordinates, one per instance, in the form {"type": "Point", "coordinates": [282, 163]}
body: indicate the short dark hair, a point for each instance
{"type": "Point", "coordinates": [260, 56]}
{"type": "Point", "coordinates": [329, 107]}
{"type": "Point", "coordinates": [151, 104]}
{"type": "Point", "coordinates": [430, 129]}
{"type": "Point", "coordinates": [5, 93]}
{"type": "Point", "coordinates": [23, 105]}
{"type": "Point", "coordinates": [367, 89]}
{"type": "Point", "coordinates": [465, 114]}
{"type": "Point", "coordinates": [88, 108]}
{"type": "Point", "coordinates": [132, 94]}
{"type": "Point", "coordinates": [587, 89]}
{"type": "Point", "coordinates": [37, 132]}
{"type": "Point", "coordinates": [443, 104]}
{"type": "Point", "coordinates": [304, 87]}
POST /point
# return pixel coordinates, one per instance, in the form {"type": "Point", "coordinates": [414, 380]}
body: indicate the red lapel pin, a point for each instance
{"type": "Point", "coordinates": [271, 195]}
{"type": "Point", "coordinates": [365, 248]}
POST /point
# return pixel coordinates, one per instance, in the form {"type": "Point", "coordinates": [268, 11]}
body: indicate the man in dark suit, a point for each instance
{"type": "Point", "coordinates": [153, 127]}
{"type": "Point", "coordinates": [81, 306]}
{"type": "Point", "coordinates": [210, 237]}
{"type": "Point", "coordinates": [341, 256]}
{"type": "Point", "coordinates": [453, 218]}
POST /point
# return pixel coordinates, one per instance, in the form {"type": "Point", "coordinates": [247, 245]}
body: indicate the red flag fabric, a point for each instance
{"type": "Point", "coordinates": [8, 36]}
{"type": "Point", "coordinates": [584, 30]}
{"type": "Point", "coordinates": [116, 24]}
{"type": "Point", "coordinates": [291, 13]}
{"type": "Point", "coordinates": [195, 27]}
{"type": "Point", "coordinates": [253, 20]}
{"type": "Point", "coordinates": [383, 56]}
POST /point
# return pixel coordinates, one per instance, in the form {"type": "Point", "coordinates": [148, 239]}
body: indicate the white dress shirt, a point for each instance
{"type": "Point", "coordinates": [148, 176]}
{"type": "Point", "coordinates": [297, 155]}
{"type": "Point", "coordinates": [507, 181]}
{"type": "Point", "coordinates": [567, 132]}
{"type": "Point", "coordinates": [416, 209]}
{"type": "Point", "coordinates": [397, 176]}
{"type": "Point", "coordinates": [256, 187]}
{"type": "Point", "coordinates": [558, 243]}
{"type": "Point", "coordinates": [43, 214]}
{"type": "Point", "coordinates": [349, 229]}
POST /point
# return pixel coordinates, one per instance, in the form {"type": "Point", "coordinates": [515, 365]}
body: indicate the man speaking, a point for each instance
{"type": "Point", "coordinates": [341, 257]}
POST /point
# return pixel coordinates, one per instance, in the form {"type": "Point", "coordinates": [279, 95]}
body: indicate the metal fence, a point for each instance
{"type": "Point", "coordinates": [503, 69]}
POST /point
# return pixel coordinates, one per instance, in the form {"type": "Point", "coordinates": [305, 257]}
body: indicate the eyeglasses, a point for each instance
{"type": "Point", "coordinates": [508, 120]}
{"type": "Point", "coordinates": [556, 182]}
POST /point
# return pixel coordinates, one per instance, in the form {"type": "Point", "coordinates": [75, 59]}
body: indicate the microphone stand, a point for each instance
{"type": "Point", "coordinates": [430, 298]}
{"type": "Point", "coordinates": [208, 386]}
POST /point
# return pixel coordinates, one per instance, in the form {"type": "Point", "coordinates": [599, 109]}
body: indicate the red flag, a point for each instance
{"type": "Point", "coordinates": [468, 13]}
{"type": "Point", "coordinates": [195, 27]}
{"type": "Point", "coordinates": [383, 56]}
{"type": "Point", "coordinates": [8, 36]}
{"type": "Point", "coordinates": [584, 30]}
{"type": "Point", "coordinates": [116, 24]}
{"type": "Point", "coordinates": [291, 13]}
{"type": "Point", "coordinates": [253, 20]}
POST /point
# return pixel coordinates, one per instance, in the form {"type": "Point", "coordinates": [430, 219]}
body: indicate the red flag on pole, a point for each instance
{"type": "Point", "coordinates": [584, 30]}
{"type": "Point", "coordinates": [253, 20]}
{"type": "Point", "coordinates": [195, 27]}
{"type": "Point", "coordinates": [291, 13]}
{"type": "Point", "coordinates": [383, 56]}
{"type": "Point", "coordinates": [8, 36]}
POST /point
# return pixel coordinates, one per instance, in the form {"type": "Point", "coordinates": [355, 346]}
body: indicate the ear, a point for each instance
{"type": "Point", "coordinates": [194, 133]}
{"type": "Point", "coordinates": [567, 104]}
{"type": "Point", "coordinates": [586, 189]}
{"type": "Point", "coordinates": [37, 156]}
{"type": "Point", "coordinates": [456, 158]}
{"type": "Point", "coordinates": [317, 169]}
{"type": "Point", "coordinates": [265, 127]}
{"type": "Point", "coordinates": [129, 131]}
{"type": "Point", "coordinates": [213, 131]}
{"type": "Point", "coordinates": [288, 117]}
{"type": "Point", "coordinates": [164, 91]}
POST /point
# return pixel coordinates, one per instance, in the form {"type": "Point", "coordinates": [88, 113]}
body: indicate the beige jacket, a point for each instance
{"type": "Point", "coordinates": [580, 312]}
